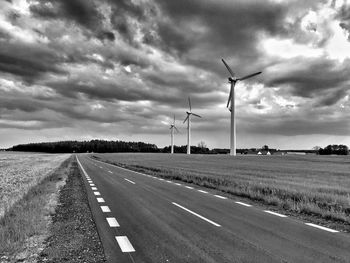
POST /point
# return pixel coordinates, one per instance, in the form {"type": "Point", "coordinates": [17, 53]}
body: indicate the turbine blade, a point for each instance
{"type": "Point", "coordinates": [229, 97]}
{"type": "Point", "coordinates": [189, 103]}
{"type": "Point", "coordinates": [250, 75]}
{"type": "Point", "coordinates": [186, 118]}
{"type": "Point", "coordinates": [228, 68]}
{"type": "Point", "coordinates": [176, 129]}
{"type": "Point", "coordinates": [196, 115]}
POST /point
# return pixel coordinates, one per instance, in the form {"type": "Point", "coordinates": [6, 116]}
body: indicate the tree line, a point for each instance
{"type": "Point", "coordinates": [98, 146]}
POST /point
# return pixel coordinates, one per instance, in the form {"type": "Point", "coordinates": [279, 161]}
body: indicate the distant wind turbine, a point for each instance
{"type": "Point", "coordinates": [188, 119]}
{"type": "Point", "coordinates": [231, 99]}
{"type": "Point", "coordinates": [172, 128]}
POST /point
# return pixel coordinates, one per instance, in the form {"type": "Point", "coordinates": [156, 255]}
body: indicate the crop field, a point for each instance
{"type": "Point", "coordinates": [310, 185]}
{"type": "Point", "coordinates": [20, 171]}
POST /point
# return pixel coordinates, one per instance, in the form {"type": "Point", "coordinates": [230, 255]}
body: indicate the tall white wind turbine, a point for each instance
{"type": "Point", "coordinates": [188, 119]}
{"type": "Point", "coordinates": [232, 79]}
{"type": "Point", "coordinates": [172, 128]}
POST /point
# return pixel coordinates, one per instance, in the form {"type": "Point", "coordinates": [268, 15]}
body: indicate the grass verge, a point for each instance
{"type": "Point", "coordinates": [24, 227]}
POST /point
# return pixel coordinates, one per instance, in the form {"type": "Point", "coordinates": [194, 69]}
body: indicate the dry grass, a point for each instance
{"type": "Point", "coordinates": [24, 226]}
{"type": "Point", "coordinates": [312, 185]}
{"type": "Point", "coordinates": [21, 171]}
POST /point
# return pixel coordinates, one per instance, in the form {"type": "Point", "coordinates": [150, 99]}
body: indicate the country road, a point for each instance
{"type": "Point", "coordinates": [141, 218]}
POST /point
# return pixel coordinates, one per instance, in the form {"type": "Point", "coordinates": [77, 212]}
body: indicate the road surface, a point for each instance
{"type": "Point", "coordinates": [141, 218]}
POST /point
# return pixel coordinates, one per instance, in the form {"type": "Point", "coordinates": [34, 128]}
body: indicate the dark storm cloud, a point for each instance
{"type": "Point", "coordinates": [230, 27]}
{"type": "Point", "coordinates": [312, 78]}
{"type": "Point", "coordinates": [28, 61]}
{"type": "Point", "coordinates": [82, 12]}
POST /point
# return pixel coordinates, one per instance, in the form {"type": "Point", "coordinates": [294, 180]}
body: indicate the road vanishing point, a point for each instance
{"type": "Point", "coordinates": [141, 218]}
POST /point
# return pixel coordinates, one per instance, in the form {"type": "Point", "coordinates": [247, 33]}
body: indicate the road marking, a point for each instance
{"type": "Point", "coordinates": [322, 227]}
{"type": "Point", "coordinates": [124, 244]}
{"type": "Point", "coordinates": [202, 191]}
{"type": "Point", "coordinates": [112, 222]}
{"type": "Point", "coordinates": [240, 203]}
{"type": "Point", "coordinates": [105, 209]}
{"type": "Point", "coordinates": [189, 187]}
{"type": "Point", "coordinates": [94, 188]}
{"type": "Point", "coordinates": [97, 193]}
{"type": "Point", "coordinates": [169, 181]}
{"type": "Point", "coordinates": [273, 213]}
{"type": "Point", "coordinates": [129, 181]}
{"type": "Point", "coordinates": [193, 213]}
{"type": "Point", "coordinates": [92, 184]}
{"type": "Point", "coordinates": [177, 184]}
{"type": "Point", "coordinates": [100, 200]}
{"type": "Point", "coordinates": [161, 179]}
{"type": "Point", "coordinates": [220, 196]}
{"type": "Point", "coordinates": [110, 172]}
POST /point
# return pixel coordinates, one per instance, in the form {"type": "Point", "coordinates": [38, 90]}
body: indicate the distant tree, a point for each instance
{"type": "Point", "coordinates": [316, 148]}
{"type": "Point", "coordinates": [265, 148]}
{"type": "Point", "coordinates": [202, 145]}
{"type": "Point", "coordinates": [334, 149]}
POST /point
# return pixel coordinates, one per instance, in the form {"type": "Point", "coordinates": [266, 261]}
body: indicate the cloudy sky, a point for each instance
{"type": "Point", "coordinates": [120, 69]}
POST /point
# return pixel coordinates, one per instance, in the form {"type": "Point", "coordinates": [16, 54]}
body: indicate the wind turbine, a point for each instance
{"type": "Point", "coordinates": [172, 127]}
{"type": "Point", "coordinates": [231, 99]}
{"type": "Point", "coordinates": [188, 119]}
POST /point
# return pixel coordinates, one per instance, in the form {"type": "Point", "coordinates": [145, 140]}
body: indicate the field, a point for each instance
{"type": "Point", "coordinates": [308, 185]}
{"type": "Point", "coordinates": [21, 171]}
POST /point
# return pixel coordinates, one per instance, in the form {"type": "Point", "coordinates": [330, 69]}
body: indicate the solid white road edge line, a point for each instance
{"type": "Point", "coordinates": [220, 196]}
{"type": "Point", "coordinates": [204, 192]}
{"type": "Point", "coordinates": [112, 222]}
{"type": "Point", "coordinates": [322, 227]}
{"type": "Point", "coordinates": [105, 209]}
{"type": "Point", "coordinates": [124, 244]}
{"type": "Point", "coordinates": [129, 181]}
{"type": "Point", "coordinates": [97, 193]}
{"type": "Point", "coordinates": [193, 213]}
{"type": "Point", "coordinates": [240, 203]}
{"type": "Point", "coordinates": [274, 213]}
{"type": "Point", "coordinates": [100, 200]}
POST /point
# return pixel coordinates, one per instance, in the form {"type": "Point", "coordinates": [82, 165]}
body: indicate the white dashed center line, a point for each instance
{"type": "Point", "coordinates": [220, 196]}
{"type": "Point", "coordinates": [189, 187]}
{"type": "Point", "coordinates": [169, 181]}
{"type": "Point", "coordinates": [129, 181]}
{"type": "Point", "coordinates": [100, 200]}
{"type": "Point", "coordinates": [240, 203]}
{"type": "Point", "coordinates": [124, 244]}
{"type": "Point", "coordinates": [322, 227]}
{"type": "Point", "coordinates": [105, 209]}
{"type": "Point", "coordinates": [110, 172]}
{"type": "Point", "coordinates": [193, 213]}
{"type": "Point", "coordinates": [274, 213]}
{"type": "Point", "coordinates": [204, 192]}
{"type": "Point", "coordinates": [177, 184]}
{"type": "Point", "coordinates": [112, 222]}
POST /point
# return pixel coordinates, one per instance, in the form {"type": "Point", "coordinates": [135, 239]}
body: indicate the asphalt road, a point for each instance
{"type": "Point", "coordinates": [145, 219]}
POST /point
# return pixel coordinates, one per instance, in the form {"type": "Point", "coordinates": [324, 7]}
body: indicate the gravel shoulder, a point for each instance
{"type": "Point", "coordinates": [73, 234]}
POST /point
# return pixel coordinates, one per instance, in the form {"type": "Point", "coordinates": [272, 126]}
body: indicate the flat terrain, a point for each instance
{"type": "Point", "coordinates": [307, 185]}
{"type": "Point", "coordinates": [21, 171]}
{"type": "Point", "coordinates": [144, 218]}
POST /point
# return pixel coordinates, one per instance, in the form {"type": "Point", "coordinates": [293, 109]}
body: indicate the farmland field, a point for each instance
{"type": "Point", "coordinates": [309, 185]}
{"type": "Point", "coordinates": [20, 171]}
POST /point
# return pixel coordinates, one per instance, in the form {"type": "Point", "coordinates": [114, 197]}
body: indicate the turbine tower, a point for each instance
{"type": "Point", "coordinates": [188, 119]}
{"type": "Point", "coordinates": [172, 128]}
{"type": "Point", "coordinates": [232, 79]}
